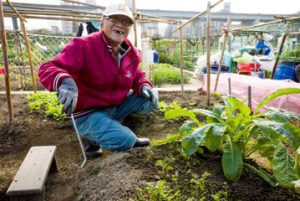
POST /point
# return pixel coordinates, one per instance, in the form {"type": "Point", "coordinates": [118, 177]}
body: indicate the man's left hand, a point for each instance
{"type": "Point", "coordinates": [150, 94]}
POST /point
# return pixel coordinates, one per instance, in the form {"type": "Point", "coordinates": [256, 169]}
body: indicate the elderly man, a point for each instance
{"type": "Point", "coordinates": [99, 82]}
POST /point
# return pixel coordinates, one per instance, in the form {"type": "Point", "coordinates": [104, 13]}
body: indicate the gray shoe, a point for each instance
{"type": "Point", "coordinates": [142, 142]}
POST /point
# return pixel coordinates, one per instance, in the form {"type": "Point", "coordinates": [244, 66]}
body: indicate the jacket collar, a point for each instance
{"type": "Point", "coordinates": [124, 47]}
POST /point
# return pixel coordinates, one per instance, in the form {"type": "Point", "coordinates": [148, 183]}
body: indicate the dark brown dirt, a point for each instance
{"type": "Point", "coordinates": [117, 176]}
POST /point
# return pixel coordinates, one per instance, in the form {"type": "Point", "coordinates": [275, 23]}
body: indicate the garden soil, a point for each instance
{"type": "Point", "coordinates": [118, 176]}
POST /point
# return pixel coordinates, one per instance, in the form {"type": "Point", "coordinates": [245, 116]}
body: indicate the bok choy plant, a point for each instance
{"type": "Point", "coordinates": [238, 132]}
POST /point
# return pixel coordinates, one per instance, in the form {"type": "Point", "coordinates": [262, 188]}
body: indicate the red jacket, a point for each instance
{"type": "Point", "coordinates": [91, 63]}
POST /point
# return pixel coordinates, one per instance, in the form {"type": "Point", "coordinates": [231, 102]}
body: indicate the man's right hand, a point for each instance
{"type": "Point", "coordinates": [67, 95]}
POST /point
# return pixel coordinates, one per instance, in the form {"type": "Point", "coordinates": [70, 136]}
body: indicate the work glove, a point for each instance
{"type": "Point", "coordinates": [67, 95]}
{"type": "Point", "coordinates": [150, 94]}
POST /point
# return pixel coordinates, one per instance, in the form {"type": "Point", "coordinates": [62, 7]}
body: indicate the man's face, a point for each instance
{"type": "Point", "coordinates": [116, 28]}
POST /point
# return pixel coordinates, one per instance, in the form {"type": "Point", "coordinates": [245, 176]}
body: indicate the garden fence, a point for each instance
{"type": "Point", "coordinates": [42, 47]}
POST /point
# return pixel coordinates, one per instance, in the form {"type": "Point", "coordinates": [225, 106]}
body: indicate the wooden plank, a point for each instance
{"type": "Point", "coordinates": [32, 174]}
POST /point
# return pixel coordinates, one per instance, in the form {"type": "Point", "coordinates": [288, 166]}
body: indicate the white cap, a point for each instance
{"type": "Point", "coordinates": [118, 9]}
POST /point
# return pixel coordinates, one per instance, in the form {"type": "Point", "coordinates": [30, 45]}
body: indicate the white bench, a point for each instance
{"type": "Point", "coordinates": [29, 182]}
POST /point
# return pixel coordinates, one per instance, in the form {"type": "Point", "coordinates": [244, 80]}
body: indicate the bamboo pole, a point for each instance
{"type": "Point", "coordinates": [52, 18]}
{"type": "Point", "coordinates": [52, 13]}
{"type": "Point", "coordinates": [6, 63]}
{"type": "Point", "coordinates": [50, 8]}
{"type": "Point", "coordinates": [264, 24]}
{"type": "Point", "coordinates": [181, 60]}
{"type": "Point", "coordinates": [29, 55]}
{"type": "Point", "coordinates": [193, 18]}
{"type": "Point", "coordinates": [22, 20]}
{"type": "Point", "coordinates": [208, 54]}
{"type": "Point", "coordinates": [279, 53]}
{"type": "Point", "coordinates": [223, 50]}
{"type": "Point", "coordinates": [293, 34]}
{"type": "Point", "coordinates": [15, 11]}
{"type": "Point", "coordinates": [134, 25]}
{"type": "Point", "coordinates": [143, 16]}
{"type": "Point", "coordinates": [85, 4]}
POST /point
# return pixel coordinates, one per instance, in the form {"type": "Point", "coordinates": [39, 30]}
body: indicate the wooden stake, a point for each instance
{"type": "Point", "coordinates": [249, 97]}
{"type": "Point", "coordinates": [208, 54]}
{"type": "Point", "coordinates": [223, 50]}
{"type": "Point", "coordinates": [181, 60]}
{"type": "Point", "coordinates": [6, 63]}
{"type": "Point", "coordinates": [229, 86]}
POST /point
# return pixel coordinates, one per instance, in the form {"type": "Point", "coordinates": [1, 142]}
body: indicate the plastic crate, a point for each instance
{"type": "Point", "coordinates": [249, 67]}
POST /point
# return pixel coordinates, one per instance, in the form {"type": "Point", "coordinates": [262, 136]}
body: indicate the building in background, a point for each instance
{"type": "Point", "coordinates": [197, 28]}
{"type": "Point", "coordinates": [55, 30]}
{"type": "Point", "coordinates": [66, 26]}
{"type": "Point", "coordinates": [69, 27]}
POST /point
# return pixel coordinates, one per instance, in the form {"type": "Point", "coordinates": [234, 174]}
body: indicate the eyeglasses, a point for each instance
{"type": "Point", "coordinates": [116, 20]}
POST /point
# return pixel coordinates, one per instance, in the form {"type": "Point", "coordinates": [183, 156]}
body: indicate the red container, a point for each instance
{"type": "Point", "coordinates": [249, 67]}
{"type": "Point", "coordinates": [2, 71]}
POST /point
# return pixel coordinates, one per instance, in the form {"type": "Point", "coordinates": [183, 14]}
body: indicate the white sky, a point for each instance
{"type": "Point", "coordinates": [237, 6]}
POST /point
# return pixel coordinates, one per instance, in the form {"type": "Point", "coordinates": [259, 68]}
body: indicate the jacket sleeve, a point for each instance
{"type": "Point", "coordinates": [67, 63]}
{"type": "Point", "coordinates": [140, 78]}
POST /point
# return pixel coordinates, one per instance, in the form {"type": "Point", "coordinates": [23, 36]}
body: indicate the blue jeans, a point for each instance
{"type": "Point", "coordinates": [104, 128]}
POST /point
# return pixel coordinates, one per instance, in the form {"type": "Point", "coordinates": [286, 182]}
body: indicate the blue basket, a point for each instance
{"type": "Point", "coordinates": [286, 70]}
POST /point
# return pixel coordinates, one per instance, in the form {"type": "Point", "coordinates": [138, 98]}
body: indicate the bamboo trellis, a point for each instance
{"type": "Point", "coordinates": [22, 20]}
{"type": "Point", "coordinates": [208, 41]}
{"type": "Point", "coordinates": [226, 31]}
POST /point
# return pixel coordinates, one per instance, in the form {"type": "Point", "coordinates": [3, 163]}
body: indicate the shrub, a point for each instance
{"type": "Point", "coordinates": [167, 74]}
